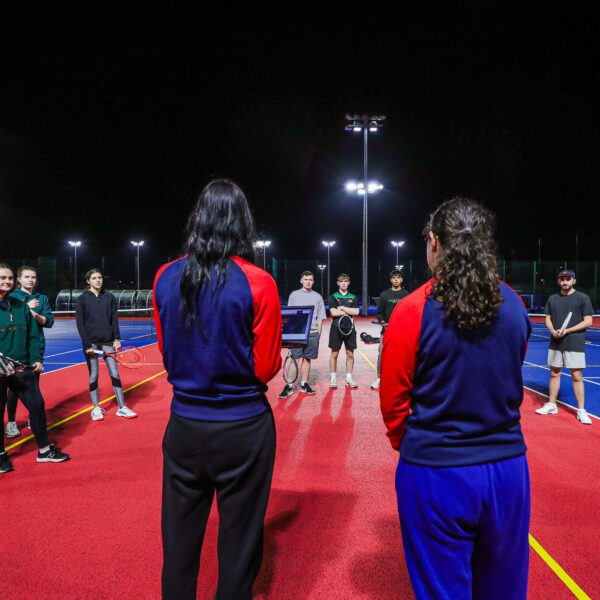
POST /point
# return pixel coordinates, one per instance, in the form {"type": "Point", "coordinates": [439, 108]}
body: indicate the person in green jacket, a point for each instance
{"type": "Point", "coordinates": [19, 341]}
{"type": "Point", "coordinates": [39, 306]}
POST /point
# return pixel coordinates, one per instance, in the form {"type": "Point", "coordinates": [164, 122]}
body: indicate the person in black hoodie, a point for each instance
{"type": "Point", "coordinates": [98, 327]}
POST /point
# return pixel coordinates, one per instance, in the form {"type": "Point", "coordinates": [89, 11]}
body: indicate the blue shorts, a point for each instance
{"type": "Point", "coordinates": [465, 530]}
{"type": "Point", "coordinates": [311, 350]}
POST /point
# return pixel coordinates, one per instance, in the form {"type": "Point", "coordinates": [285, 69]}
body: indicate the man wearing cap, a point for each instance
{"type": "Point", "coordinates": [385, 305]}
{"type": "Point", "coordinates": [567, 347]}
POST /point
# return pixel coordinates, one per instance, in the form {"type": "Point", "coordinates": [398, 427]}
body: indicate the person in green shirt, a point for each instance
{"type": "Point", "coordinates": [19, 340]}
{"type": "Point", "coordinates": [39, 306]}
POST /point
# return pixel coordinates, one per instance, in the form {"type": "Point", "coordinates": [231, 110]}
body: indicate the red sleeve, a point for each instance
{"type": "Point", "coordinates": [399, 361]}
{"type": "Point", "coordinates": [157, 324]}
{"type": "Point", "coordinates": [266, 324]}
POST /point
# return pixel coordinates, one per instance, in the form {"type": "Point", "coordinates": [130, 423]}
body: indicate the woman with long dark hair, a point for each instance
{"type": "Point", "coordinates": [96, 315]}
{"type": "Point", "coordinates": [451, 388]}
{"type": "Point", "coordinates": [218, 322]}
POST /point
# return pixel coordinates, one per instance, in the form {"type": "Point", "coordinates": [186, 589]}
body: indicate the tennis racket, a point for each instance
{"type": "Point", "coordinates": [9, 366]}
{"type": "Point", "coordinates": [566, 323]}
{"type": "Point", "coordinates": [290, 368]}
{"type": "Point", "coordinates": [345, 325]}
{"type": "Point", "coordinates": [129, 357]}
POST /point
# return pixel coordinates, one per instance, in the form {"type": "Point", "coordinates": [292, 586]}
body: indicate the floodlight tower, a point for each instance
{"type": "Point", "coordinates": [397, 245]}
{"type": "Point", "coordinates": [367, 124]}
{"type": "Point", "coordinates": [322, 268]}
{"type": "Point", "coordinates": [74, 245]}
{"type": "Point", "coordinates": [264, 244]}
{"type": "Point", "coordinates": [137, 245]}
{"type": "Point", "coordinates": [328, 244]}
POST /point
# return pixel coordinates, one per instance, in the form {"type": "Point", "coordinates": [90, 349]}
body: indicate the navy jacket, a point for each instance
{"type": "Point", "coordinates": [220, 365]}
{"type": "Point", "coordinates": [449, 398]}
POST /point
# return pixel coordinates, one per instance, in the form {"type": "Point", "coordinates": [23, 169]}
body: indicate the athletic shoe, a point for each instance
{"type": "Point", "coordinates": [5, 464]}
{"type": "Point", "coordinates": [287, 390]}
{"type": "Point", "coordinates": [307, 389]}
{"type": "Point", "coordinates": [375, 384]}
{"type": "Point", "coordinates": [333, 383]}
{"type": "Point", "coordinates": [351, 383]}
{"type": "Point", "coordinates": [53, 454]}
{"type": "Point", "coordinates": [548, 409]}
{"type": "Point", "coordinates": [97, 414]}
{"type": "Point", "coordinates": [583, 417]}
{"type": "Point", "coordinates": [126, 412]}
{"type": "Point", "coordinates": [12, 430]}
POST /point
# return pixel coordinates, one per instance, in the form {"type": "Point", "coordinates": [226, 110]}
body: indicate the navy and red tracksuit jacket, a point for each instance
{"type": "Point", "coordinates": [220, 365]}
{"type": "Point", "coordinates": [452, 398]}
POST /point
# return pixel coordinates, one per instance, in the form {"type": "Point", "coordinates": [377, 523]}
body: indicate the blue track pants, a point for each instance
{"type": "Point", "coordinates": [465, 529]}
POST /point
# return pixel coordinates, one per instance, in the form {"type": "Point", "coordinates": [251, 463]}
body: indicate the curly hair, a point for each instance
{"type": "Point", "coordinates": [466, 277]}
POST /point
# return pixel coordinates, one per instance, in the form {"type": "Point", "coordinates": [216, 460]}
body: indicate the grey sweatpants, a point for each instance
{"type": "Point", "coordinates": [113, 370]}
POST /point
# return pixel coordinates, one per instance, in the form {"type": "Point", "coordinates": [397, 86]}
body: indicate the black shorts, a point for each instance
{"type": "Point", "coordinates": [336, 339]}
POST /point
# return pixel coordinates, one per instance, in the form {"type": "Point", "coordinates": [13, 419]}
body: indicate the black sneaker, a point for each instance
{"type": "Point", "coordinates": [288, 390]}
{"type": "Point", "coordinates": [5, 464]}
{"type": "Point", "coordinates": [53, 454]}
{"type": "Point", "coordinates": [307, 389]}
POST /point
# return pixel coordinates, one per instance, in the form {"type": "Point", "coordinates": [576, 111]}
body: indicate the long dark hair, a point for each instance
{"type": "Point", "coordinates": [87, 278]}
{"type": "Point", "coordinates": [466, 276]}
{"type": "Point", "coordinates": [220, 226]}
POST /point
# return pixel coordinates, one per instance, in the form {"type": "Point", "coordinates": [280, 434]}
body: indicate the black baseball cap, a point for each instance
{"type": "Point", "coordinates": [566, 273]}
{"type": "Point", "coordinates": [396, 273]}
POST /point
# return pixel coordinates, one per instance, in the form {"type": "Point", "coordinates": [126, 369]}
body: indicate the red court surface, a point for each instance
{"type": "Point", "coordinates": [90, 528]}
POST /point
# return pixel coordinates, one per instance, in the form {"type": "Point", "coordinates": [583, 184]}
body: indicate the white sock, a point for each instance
{"type": "Point", "coordinates": [303, 383]}
{"type": "Point", "coordinates": [348, 376]}
{"type": "Point", "coordinates": [333, 375]}
{"type": "Point", "coordinates": [42, 450]}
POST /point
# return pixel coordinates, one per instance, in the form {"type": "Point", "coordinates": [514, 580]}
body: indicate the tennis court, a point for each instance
{"type": "Point", "coordinates": [536, 373]}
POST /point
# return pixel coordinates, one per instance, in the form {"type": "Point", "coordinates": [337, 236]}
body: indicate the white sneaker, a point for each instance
{"type": "Point", "coordinates": [375, 384]}
{"type": "Point", "coordinates": [126, 412]}
{"type": "Point", "coordinates": [97, 414]}
{"type": "Point", "coordinates": [12, 429]}
{"type": "Point", "coordinates": [548, 409]}
{"type": "Point", "coordinates": [583, 417]}
{"type": "Point", "coordinates": [351, 383]}
{"type": "Point", "coordinates": [333, 383]}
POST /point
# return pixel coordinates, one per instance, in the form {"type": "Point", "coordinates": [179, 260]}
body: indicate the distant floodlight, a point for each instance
{"type": "Point", "coordinates": [75, 244]}
{"type": "Point", "coordinates": [140, 243]}
{"type": "Point", "coordinates": [352, 186]}
{"type": "Point", "coordinates": [328, 244]}
{"type": "Point", "coordinates": [322, 267]}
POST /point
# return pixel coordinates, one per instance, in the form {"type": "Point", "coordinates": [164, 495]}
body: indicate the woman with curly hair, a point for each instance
{"type": "Point", "coordinates": [451, 388]}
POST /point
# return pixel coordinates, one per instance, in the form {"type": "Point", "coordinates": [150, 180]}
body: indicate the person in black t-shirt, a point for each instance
{"type": "Point", "coordinates": [567, 348]}
{"type": "Point", "coordinates": [385, 305]}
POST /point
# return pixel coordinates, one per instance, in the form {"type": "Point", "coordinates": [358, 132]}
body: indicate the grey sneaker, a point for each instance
{"type": "Point", "coordinates": [53, 454]}
{"type": "Point", "coordinates": [126, 412]}
{"type": "Point", "coordinates": [12, 430]}
{"type": "Point", "coordinates": [351, 383]}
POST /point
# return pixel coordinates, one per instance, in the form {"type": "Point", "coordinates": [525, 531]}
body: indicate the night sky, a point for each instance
{"type": "Point", "coordinates": [113, 116]}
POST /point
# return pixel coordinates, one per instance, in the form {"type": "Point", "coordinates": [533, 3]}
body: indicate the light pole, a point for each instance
{"type": "Point", "coordinates": [397, 245]}
{"type": "Point", "coordinates": [328, 244]}
{"type": "Point", "coordinates": [74, 245]}
{"type": "Point", "coordinates": [264, 244]}
{"type": "Point", "coordinates": [359, 188]}
{"type": "Point", "coordinates": [322, 268]}
{"type": "Point", "coordinates": [366, 124]}
{"type": "Point", "coordinates": [137, 245]}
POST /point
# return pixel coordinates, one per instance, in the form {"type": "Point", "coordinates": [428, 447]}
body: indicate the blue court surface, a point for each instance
{"type": "Point", "coordinates": [63, 345]}
{"type": "Point", "coordinates": [536, 374]}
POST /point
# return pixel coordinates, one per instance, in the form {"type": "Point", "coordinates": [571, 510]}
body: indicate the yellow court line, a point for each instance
{"type": "Point", "coordinates": [554, 566]}
{"type": "Point", "coordinates": [88, 409]}
{"type": "Point", "coordinates": [558, 570]}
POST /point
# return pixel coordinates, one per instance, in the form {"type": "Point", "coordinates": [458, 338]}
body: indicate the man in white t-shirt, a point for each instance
{"type": "Point", "coordinates": [306, 296]}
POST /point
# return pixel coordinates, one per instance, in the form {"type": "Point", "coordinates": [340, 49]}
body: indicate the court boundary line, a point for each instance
{"type": "Point", "coordinates": [530, 364]}
{"type": "Point", "coordinates": [83, 411]}
{"type": "Point", "coordinates": [555, 567]}
{"type": "Point", "coordinates": [573, 408]}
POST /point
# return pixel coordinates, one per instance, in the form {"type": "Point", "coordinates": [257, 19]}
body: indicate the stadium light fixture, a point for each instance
{"type": "Point", "coordinates": [367, 124]}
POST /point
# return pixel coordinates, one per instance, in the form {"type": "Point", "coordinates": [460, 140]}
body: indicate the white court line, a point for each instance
{"type": "Point", "coordinates": [573, 408]}
{"type": "Point", "coordinates": [563, 374]}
